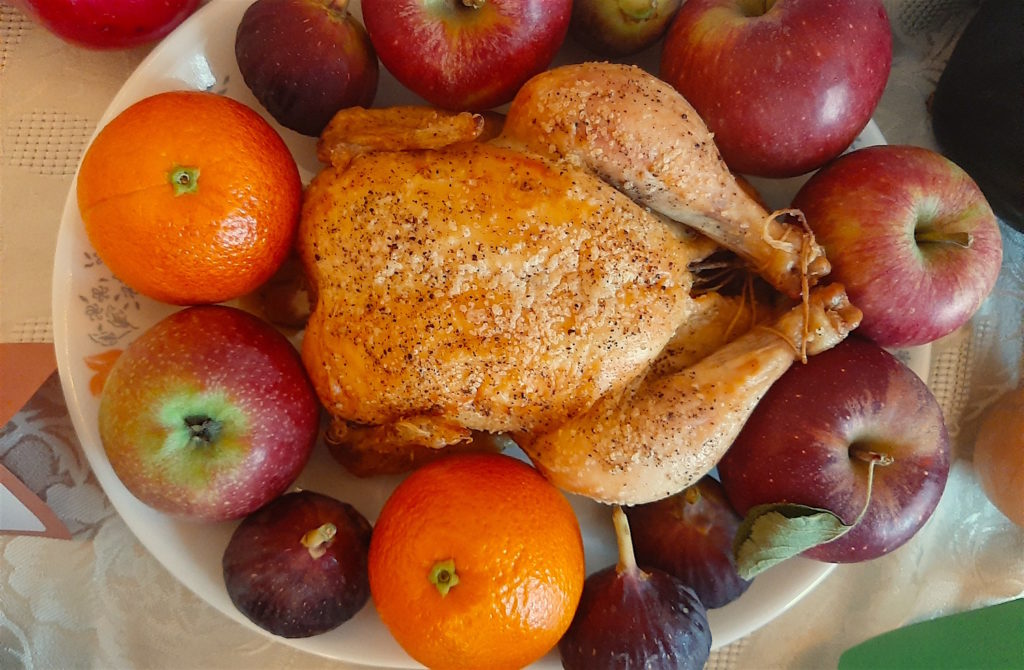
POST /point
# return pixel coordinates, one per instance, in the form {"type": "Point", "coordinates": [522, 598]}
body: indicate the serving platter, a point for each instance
{"type": "Point", "coordinates": [94, 314]}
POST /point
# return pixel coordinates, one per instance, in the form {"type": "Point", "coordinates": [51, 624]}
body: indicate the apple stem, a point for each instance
{"type": "Point", "coordinates": [339, 6]}
{"type": "Point", "coordinates": [202, 430]}
{"type": "Point", "coordinates": [752, 8]}
{"type": "Point", "coordinates": [958, 238]}
{"type": "Point", "coordinates": [474, 4]}
{"type": "Point", "coordinates": [872, 458]}
{"type": "Point", "coordinates": [319, 539]}
{"type": "Point", "coordinates": [624, 539]}
{"type": "Point", "coordinates": [869, 456]}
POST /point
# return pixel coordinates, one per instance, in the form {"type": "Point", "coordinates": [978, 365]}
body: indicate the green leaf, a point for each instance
{"type": "Point", "coordinates": [774, 532]}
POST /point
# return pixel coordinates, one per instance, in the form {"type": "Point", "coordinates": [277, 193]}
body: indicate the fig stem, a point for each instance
{"type": "Point", "coordinates": [443, 576]}
{"type": "Point", "coordinates": [956, 238]}
{"type": "Point", "coordinates": [317, 541]}
{"type": "Point", "coordinates": [624, 539]}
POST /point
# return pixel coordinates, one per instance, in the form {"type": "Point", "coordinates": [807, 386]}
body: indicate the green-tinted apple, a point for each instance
{"type": "Point", "coordinates": [620, 27]}
{"type": "Point", "coordinates": [209, 414]}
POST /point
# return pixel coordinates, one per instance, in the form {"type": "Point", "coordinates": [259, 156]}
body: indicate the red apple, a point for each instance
{"type": "Point", "coordinates": [910, 235]}
{"type": "Point", "coordinates": [785, 85]}
{"type": "Point", "coordinates": [209, 414]}
{"type": "Point", "coordinates": [811, 438]}
{"type": "Point", "coordinates": [109, 24]}
{"type": "Point", "coordinates": [466, 54]}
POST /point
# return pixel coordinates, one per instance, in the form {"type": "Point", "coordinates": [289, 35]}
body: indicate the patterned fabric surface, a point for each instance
{"type": "Point", "coordinates": [51, 98]}
{"type": "Point", "coordinates": [102, 601]}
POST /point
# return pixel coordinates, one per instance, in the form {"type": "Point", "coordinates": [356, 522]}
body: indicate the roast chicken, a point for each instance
{"type": "Point", "coordinates": [535, 281]}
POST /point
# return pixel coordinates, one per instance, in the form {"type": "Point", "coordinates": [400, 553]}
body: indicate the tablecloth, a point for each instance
{"type": "Point", "coordinates": [101, 600]}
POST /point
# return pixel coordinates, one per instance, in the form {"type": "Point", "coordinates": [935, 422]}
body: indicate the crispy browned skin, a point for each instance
{"type": "Point", "coordinates": [358, 130]}
{"type": "Point", "coordinates": [465, 288]}
{"type": "Point", "coordinates": [640, 135]}
{"type": "Point", "coordinates": [481, 288]}
{"type": "Point", "coordinates": [662, 434]}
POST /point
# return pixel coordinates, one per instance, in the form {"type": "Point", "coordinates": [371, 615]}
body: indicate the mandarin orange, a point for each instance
{"type": "Point", "coordinates": [190, 197]}
{"type": "Point", "coordinates": [476, 561]}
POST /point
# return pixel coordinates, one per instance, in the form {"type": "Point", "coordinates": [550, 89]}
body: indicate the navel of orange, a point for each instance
{"type": "Point", "coordinates": [190, 197]}
{"type": "Point", "coordinates": [476, 561]}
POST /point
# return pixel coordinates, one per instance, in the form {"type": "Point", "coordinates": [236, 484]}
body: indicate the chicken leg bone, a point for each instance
{"type": "Point", "coordinates": [657, 438]}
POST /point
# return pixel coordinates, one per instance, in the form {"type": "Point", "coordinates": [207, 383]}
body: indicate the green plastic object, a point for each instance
{"type": "Point", "coordinates": [990, 638]}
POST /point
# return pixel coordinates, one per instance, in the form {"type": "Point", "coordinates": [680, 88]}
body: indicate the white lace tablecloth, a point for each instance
{"type": "Point", "coordinates": [101, 600]}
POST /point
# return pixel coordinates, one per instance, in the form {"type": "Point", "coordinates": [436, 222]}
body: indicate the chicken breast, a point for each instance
{"type": "Point", "coordinates": [481, 288]}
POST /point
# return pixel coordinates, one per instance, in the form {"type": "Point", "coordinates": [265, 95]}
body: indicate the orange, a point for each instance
{"type": "Point", "coordinates": [476, 561]}
{"type": "Point", "coordinates": [190, 197]}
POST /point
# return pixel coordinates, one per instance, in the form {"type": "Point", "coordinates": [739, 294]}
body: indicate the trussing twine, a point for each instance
{"type": "Point", "coordinates": [805, 251]}
{"type": "Point", "coordinates": [748, 294]}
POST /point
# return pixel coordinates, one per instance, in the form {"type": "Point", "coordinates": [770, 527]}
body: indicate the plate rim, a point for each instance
{"type": "Point", "coordinates": [61, 298]}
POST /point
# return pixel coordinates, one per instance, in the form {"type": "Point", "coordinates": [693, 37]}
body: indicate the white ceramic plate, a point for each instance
{"type": "Point", "coordinates": [93, 312]}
